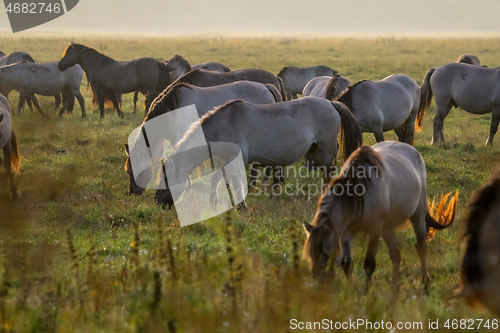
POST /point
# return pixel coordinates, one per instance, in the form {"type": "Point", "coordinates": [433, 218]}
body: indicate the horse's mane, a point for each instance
{"type": "Point", "coordinates": [282, 70]}
{"type": "Point", "coordinates": [346, 96]}
{"type": "Point", "coordinates": [82, 48]}
{"type": "Point", "coordinates": [483, 203]}
{"type": "Point", "coordinates": [191, 77]}
{"type": "Point", "coordinates": [332, 87]}
{"type": "Point", "coordinates": [181, 58]}
{"type": "Point", "coordinates": [210, 115]}
{"type": "Point", "coordinates": [166, 101]}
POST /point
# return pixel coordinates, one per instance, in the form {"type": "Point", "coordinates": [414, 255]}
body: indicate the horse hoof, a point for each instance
{"type": "Point", "coordinates": [16, 195]}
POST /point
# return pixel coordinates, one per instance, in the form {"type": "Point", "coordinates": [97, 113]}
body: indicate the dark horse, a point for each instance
{"type": "Point", "coordinates": [481, 267]}
{"type": "Point", "coordinates": [201, 78]}
{"type": "Point", "coordinates": [109, 78]}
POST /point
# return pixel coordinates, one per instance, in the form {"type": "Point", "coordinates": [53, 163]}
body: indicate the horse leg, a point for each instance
{"type": "Point", "coordinates": [379, 134]}
{"type": "Point", "coordinates": [8, 169]}
{"type": "Point", "coordinates": [20, 107]}
{"type": "Point", "coordinates": [57, 101]}
{"type": "Point", "coordinates": [369, 263]}
{"type": "Point", "coordinates": [420, 227]}
{"type": "Point", "coordinates": [253, 176]}
{"type": "Point", "coordinates": [100, 98]}
{"type": "Point", "coordinates": [278, 176]}
{"type": "Point", "coordinates": [239, 190]}
{"type": "Point", "coordinates": [214, 188]}
{"type": "Point", "coordinates": [267, 174]}
{"type": "Point", "coordinates": [389, 236]}
{"type": "Point", "coordinates": [401, 133]}
{"type": "Point", "coordinates": [136, 96]}
{"type": "Point", "coordinates": [37, 105]}
{"type": "Point", "coordinates": [346, 262]}
{"type": "Point", "coordinates": [495, 120]}
{"type": "Point", "coordinates": [438, 121]}
{"type": "Point", "coordinates": [81, 101]}
{"type": "Point", "coordinates": [114, 99]}
{"type": "Point", "coordinates": [30, 106]}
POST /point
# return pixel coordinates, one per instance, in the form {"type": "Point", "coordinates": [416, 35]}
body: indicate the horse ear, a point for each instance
{"type": "Point", "coordinates": [127, 149]}
{"type": "Point", "coordinates": [308, 228]}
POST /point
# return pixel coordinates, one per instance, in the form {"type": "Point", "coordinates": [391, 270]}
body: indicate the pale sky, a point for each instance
{"type": "Point", "coordinates": [322, 17]}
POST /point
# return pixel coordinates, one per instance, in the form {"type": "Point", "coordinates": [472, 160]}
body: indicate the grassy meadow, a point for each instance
{"type": "Point", "coordinates": [78, 254]}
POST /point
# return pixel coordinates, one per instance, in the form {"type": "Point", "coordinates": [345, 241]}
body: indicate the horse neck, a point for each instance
{"type": "Point", "coordinates": [6, 73]}
{"type": "Point", "coordinates": [90, 58]}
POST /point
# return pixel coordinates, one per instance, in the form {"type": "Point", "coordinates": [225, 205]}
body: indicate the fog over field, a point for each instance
{"type": "Point", "coordinates": [279, 17]}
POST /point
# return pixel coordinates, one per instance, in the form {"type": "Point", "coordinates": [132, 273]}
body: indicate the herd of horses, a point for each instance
{"type": "Point", "coordinates": [261, 113]}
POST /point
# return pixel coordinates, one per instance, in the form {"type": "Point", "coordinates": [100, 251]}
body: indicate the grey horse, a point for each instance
{"type": "Point", "coordinates": [469, 59]}
{"type": "Point", "coordinates": [296, 78]}
{"type": "Point", "coordinates": [472, 88]}
{"type": "Point", "coordinates": [18, 56]}
{"type": "Point", "coordinates": [377, 190]}
{"type": "Point", "coordinates": [44, 79]}
{"type": "Point", "coordinates": [388, 104]}
{"type": "Point", "coordinates": [8, 143]}
{"type": "Point", "coordinates": [312, 126]}
{"type": "Point", "coordinates": [319, 86]}
{"type": "Point", "coordinates": [202, 78]}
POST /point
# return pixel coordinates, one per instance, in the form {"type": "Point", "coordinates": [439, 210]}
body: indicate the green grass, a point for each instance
{"type": "Point", "coordinates": [81, 255]}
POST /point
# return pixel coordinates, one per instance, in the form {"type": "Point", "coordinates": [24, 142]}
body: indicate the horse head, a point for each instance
{"type": "Point", "coordinates": [70, 57]}
{"type": "Point", "coordinates": [179, 64]}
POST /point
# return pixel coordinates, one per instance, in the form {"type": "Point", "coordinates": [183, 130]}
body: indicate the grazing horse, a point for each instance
{"type": "Point", "coordinates": [8, 143]}
{"type": "Point", "coordinates": [44, 79]}
{"type": "Point", "coordinates": [469, 59]}
{"type": "Point", "coordinates": [472, 88]}
{"type": "Point", "coordinates": [19, 56]}
{"type": "Point", "coordinates": [108, 77]}
{"type": "Point", "coordinates": [388, 104]}
{"type": "Point", "coordinates": [205, 99]}
{"type": "Point", "coordinates": [201, 78]}
{"type": "Point", "coordinates": [319, 86]}
{"type": "Point", "coordinates": [378, 189]}
{"type": "Point", "coordinates": [212, 67]}
{"type": "Point", "coordinates": [312, 126]}
{"type": "Point", "coordinates": [178, 65]}
{"type": "Point", "coordinates": [480, 273]}
{"type": "Point", "coordinates": [296, 78]}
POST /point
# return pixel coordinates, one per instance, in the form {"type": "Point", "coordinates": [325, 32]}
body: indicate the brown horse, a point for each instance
{"type": "Point", "coordinates": [8, 143]}
{"type": "Point", "coordinates": [108, 78]}
{"type": "Point", "coordinates": [481, 265]}
{"type": "Point", "coordinates": [202, 78]}
{"type": "Point", "coordinates": [378, 189]}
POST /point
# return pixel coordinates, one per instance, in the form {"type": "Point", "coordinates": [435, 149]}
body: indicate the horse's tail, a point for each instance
{"type": "Point", "coordinates": [425, 100]}
{"type": "Point", "coordinates": [277, 96]}
{"type": "Point", "coordinates": [108, 100]}
{"type": "Point", "coordinates": [332, 87]}
{"type": "Point", "coordinates": [351, 137]}
{"type": "Point", "coordinates": [438, 216]}
{"type": "Point", "coordinates": [282, 88]}
{"type": "Point", "coordinates": [27, 57]}
{"type": "Point", "coordinates": [164, 78]}
{"type": "Point", "coordinates": [15, 160]}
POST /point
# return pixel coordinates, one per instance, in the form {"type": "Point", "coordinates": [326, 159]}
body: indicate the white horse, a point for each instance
{"type": "Point", "coordinates": [296, 78]}
{"type": "Point", "coordinates": [388, 104]}
{"type": "Point", "coordinates": [377, 190]}
{"type": "Point", "coordinates": [8, 143]}
{"type": "Point", "coordinates": [319, 86]}
{"type": "Point", "coordinates": [205, 99]}
{"type": "Point", "coordinates": [271, 135]}
{"type": "Point", "coordinates": [44, 79]}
